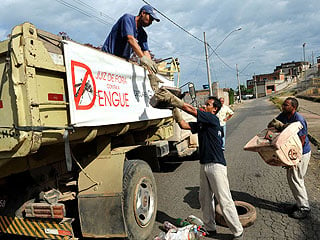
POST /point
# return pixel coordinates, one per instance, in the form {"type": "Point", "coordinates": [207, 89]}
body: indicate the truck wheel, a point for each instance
{"type": "Point", "coordinates": [139, 199]}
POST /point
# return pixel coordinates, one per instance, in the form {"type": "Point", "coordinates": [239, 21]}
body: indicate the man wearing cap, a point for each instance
{"type": "Point", "coordinates": [128, 35]}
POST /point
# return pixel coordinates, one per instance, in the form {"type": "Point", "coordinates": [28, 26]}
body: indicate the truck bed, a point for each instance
{"type": "Point", "coordinates": [53, 90]}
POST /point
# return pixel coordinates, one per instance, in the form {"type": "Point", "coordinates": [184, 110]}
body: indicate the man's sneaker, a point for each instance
{"type": "Point", "coordinates": [300, 213]}
{"type": "Point", "coordinates": [240, 237]}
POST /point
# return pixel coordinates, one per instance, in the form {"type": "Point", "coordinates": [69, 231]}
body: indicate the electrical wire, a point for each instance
{"type": "Point", "coordinates": [99, 19]}
{"type": "Point", "coordinates": [186, 31]}
{"type": "Point", "coordinates": [105, 22]}
{"type": "Point", "coordinates": [94, 9]}
{"type": "Point", "coordinates": [213, 51]}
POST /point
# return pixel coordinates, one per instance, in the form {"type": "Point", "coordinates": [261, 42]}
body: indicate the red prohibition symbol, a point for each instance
{"type": "Point", "coordinates": [78, 93]}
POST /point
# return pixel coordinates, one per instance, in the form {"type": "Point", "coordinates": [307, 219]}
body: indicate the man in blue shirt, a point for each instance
{"type": "Point", "coordinates": [213, 170]}
{"type": "Point", "coordinates": [295, 175]}
{"type": "Point", "coordinates": [128, 35]}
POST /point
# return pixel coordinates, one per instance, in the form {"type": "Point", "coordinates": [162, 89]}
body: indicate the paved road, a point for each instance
{"type": "Point", "coordinates": [251, 180]}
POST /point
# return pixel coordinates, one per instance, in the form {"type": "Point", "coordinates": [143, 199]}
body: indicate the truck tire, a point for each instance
{"type": "Point", "coordinates": [247, 214]}
{"type": "Point", "coordinates": [139, 199]}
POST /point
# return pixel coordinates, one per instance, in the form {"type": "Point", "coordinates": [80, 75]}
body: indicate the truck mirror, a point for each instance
{"type": "Point", "coordinates": [192, 91]}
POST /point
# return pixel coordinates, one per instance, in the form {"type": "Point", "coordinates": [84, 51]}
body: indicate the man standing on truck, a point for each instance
{"type": "Point", "coordinates": [213, 169]}
{"type": "Point", "coordinates": [295, 174]}
{"type": "Point", "coordinates": [128, 35]}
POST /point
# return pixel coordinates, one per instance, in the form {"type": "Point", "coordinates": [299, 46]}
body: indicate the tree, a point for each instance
{"type": "Point", "coordinates": [231, 96]}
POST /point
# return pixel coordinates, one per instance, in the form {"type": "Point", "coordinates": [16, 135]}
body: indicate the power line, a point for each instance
{"type": "Point", "coordinates": [106, 22]}
{"type": "Point", "coordinates": [186, 31]}
{"type": "Point", "coordinates": [103, 21]}
{"type": "Point", "coordinates": [221, 59]}
{"type": "Point", "coordinates": [94, 9]}
{"type": "Point", "coordinates": [99, 19]}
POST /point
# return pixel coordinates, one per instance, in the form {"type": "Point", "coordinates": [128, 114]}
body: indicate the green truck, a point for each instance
{"type": "Point", "coordinates": [78, 140]}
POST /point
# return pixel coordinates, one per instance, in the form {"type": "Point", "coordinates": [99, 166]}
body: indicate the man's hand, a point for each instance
{"type": "Point", "coordinates": [165, 99]}
{"type": "Point", "coordinates": [277, 125]}
{"type": "Point", "coordinates": [177, 115]}
{"type": "Point", "coordinates": [145, 61]}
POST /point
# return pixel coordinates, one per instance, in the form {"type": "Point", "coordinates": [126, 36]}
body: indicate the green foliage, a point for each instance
{"type": "Point", "coordinates": [277, 101]}
{"type": "Point", "coordinates": [244, 90]}
{"type": "Point", "coordinates": [231, 96]}
{"type": "Point", "coordinates": [249, 91]}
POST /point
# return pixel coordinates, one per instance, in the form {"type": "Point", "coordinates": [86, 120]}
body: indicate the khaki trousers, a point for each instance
{"type": "Point", "coordinates": [295, 176]}
{"type": "Point", "coordinates": [214, 182]}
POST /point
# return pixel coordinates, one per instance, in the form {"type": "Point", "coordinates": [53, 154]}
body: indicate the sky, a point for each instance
{"type": "Point", "coordinates": [272, 32]}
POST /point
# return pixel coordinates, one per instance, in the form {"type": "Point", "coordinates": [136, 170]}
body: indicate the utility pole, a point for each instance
{"type": "Point", "coordinates": [208, 64]}
{"type": "Point", "coordinates": [239, 88]}
{"type": "Point", "coordinates": [304, 64]}
{"type": "Point", "coordinates": [304, 52]}
{"type": "Point", "coordinates": [255, 85]}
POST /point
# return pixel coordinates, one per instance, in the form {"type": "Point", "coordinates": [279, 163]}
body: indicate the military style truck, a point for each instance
{"type": "Point", "coordinates": [78, 139]}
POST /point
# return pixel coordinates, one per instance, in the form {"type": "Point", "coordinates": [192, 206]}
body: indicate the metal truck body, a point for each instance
{"type": "Point", "coordinates": [73, 150]}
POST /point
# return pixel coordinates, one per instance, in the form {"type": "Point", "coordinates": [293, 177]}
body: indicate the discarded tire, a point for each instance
{"type": "Point", "coordinates": [247, 214]}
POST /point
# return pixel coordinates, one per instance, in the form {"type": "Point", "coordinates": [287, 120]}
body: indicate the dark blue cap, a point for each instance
{"type": "Point", "coordinates": [148, 9]}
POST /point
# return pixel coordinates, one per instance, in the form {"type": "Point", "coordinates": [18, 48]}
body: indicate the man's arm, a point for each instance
{"type": "Point", "coordinates": [228, 117]}
{"type": "Point", "coordinates": [147, 53]}
{"type": "Point", "coordinates": [189, 109]}
{"type": "Point", "coordinates": [145, 57]}
{"type": "Point", "coordinates": [178, 117]}
{"type": "Point", "coordinates": [135, 47]}
{"type": "Point", "coordinates": [229, 114]}
{"type": "Point", "coordinates": [184, 125]}
{"type": "Point", "coordinates": [302, 139]}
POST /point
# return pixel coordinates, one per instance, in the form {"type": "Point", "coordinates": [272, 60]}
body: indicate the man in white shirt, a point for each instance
{"type": "Point", "coordinates": [224, 115]}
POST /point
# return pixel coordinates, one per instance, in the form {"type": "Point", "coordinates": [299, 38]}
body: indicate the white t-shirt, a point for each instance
{"type": "Point", "coordinates": [223, 113]}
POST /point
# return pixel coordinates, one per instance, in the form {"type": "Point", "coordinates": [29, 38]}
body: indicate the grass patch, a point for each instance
{"type": "Point", "coordinates": [277, 101]}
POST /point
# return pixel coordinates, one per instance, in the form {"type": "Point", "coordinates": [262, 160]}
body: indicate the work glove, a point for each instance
{"type": "Point", "coordinates": [154, 82]}
{"type": "Point", "coordinates": [279, 126]}
{"type": "Point", "coordinates": [147, 62]}
{"type": "Point", "coordinates": [163, 98]}
{"type": "Point", "coordinates": [177, 115]}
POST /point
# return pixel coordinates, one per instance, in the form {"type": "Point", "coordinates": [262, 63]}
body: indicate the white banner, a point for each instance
{"type": "Point", "coordinates": [104, 89]}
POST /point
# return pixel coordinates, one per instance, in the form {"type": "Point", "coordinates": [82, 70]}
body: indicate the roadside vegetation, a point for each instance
{"type": "Point", "coordinates": [277, 101]}
{"type": "Point", "coordinates": [278, 98]}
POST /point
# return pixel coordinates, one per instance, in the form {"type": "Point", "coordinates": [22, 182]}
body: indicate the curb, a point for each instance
{"type": "Point", "coordinates": [310, 98]}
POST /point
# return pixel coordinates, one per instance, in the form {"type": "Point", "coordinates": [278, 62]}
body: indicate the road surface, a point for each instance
{"type": "Point", "coordinates": [251, 180]}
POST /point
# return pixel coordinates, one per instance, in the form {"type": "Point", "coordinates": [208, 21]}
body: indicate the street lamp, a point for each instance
{"type": "Point", "coordinates": [239, 89]}
{"type": "Point", "coordinates": [255, 85]}
{"type": "Point", "coordinates": [304, 52]}
{"type": "Point", "coordinates": [304, 64]}
{"type": "Point", "coordinates": [208, 63]}
{"type": "Point", "coordinates": [207, 56]}
{"type": "Point", "coordinates": [238, 29]}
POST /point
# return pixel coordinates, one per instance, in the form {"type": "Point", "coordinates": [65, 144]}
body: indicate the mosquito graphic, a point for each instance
{"type": "Point", "coordinates": [87, 89]}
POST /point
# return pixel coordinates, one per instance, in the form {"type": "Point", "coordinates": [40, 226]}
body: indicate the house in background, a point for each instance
{"type": "Point", "coordinates": [266, 84]}
{"type": "Point", "coordinates": [282, 76]}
